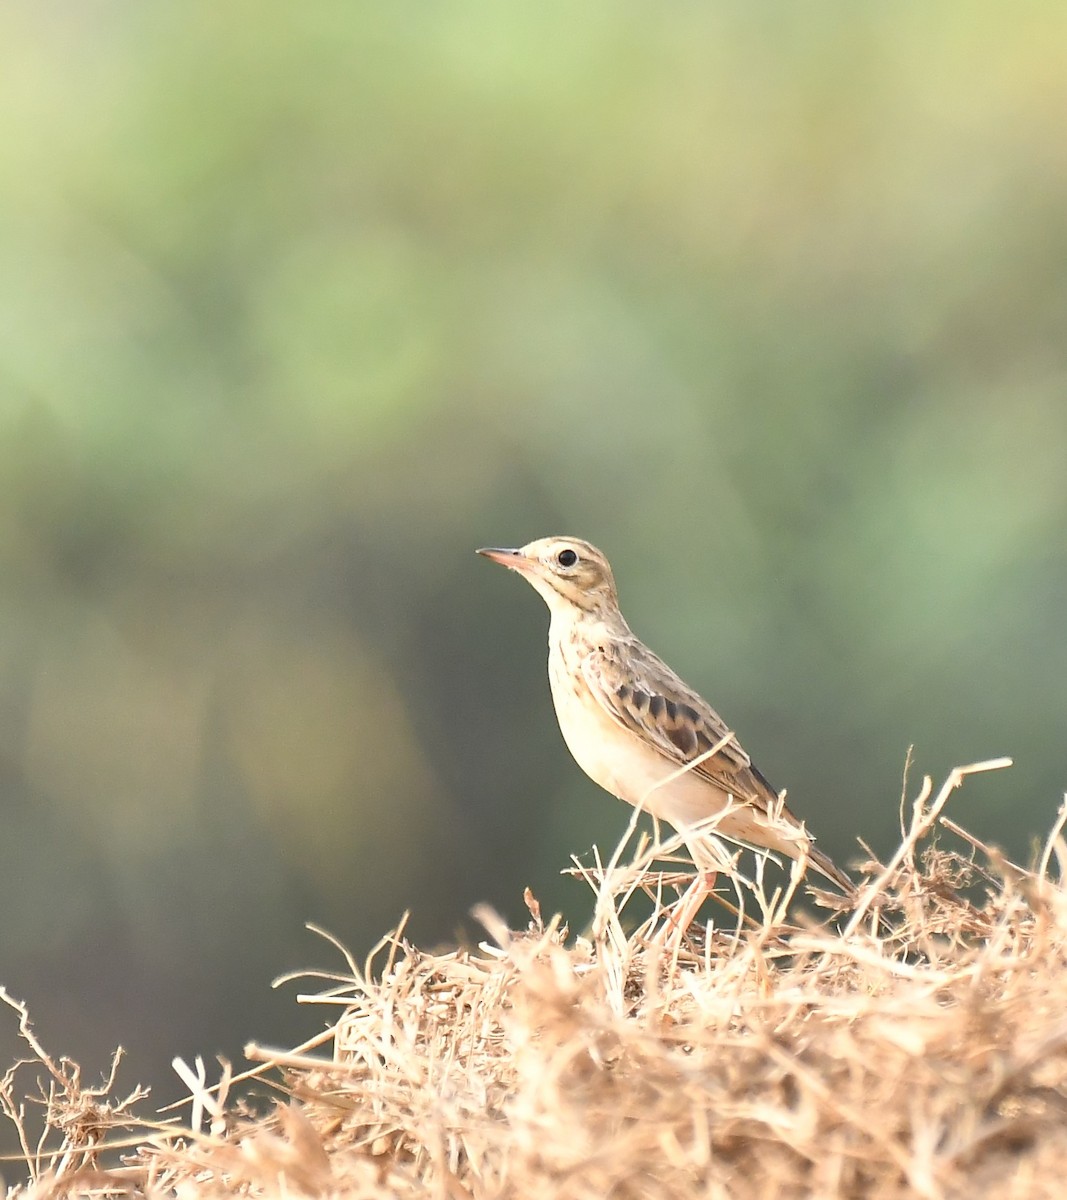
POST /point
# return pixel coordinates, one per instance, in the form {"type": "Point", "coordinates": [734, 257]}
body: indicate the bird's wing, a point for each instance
{"type": "Point", "coordinates": [641, 693]}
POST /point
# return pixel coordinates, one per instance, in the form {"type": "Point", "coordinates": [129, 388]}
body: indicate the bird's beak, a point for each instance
{"type": "Point", "coordinates": [515, 559]}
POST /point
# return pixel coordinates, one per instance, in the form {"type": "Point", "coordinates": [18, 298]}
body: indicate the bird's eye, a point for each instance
{"type": "Point", "coordinates": [566, 558]}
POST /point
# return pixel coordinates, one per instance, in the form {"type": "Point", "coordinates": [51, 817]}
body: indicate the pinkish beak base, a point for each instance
{"type": "Point", "coordinates": [515, 559]}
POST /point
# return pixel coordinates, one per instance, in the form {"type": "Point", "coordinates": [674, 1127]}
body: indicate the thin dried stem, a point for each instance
{"type": "Point", "coordinates": [770, 1057]}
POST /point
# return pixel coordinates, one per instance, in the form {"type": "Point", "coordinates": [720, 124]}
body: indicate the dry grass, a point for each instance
{"type": "Point", "coordinates": [927, 1057]}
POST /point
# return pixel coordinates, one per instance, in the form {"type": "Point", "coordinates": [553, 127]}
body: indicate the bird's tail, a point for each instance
{"type": "Point", "coordinates": [825, 866]}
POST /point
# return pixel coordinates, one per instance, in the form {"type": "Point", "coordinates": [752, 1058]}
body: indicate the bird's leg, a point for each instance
{"type": "Point", "coordinates": [682, 913]}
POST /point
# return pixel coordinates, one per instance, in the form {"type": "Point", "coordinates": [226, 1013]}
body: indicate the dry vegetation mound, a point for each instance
{"type": "Point", "coordinates": [923, 1053]}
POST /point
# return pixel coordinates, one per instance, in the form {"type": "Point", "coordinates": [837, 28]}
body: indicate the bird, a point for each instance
{"type": "Point", "coordinates": [638, 730]}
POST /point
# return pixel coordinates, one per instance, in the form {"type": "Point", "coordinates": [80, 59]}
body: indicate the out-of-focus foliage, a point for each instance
{"type": "Point", "coordinates": [301, 303]}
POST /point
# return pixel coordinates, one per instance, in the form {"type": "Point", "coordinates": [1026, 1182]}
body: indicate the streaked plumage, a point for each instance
{"type": "Point", "coordinates": [631, 723]}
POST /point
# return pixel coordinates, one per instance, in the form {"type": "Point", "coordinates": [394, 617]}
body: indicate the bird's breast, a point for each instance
{"type": "Point", "coordinates": [619, 760]}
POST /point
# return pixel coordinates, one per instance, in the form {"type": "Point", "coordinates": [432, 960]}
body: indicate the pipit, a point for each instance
{"type": "Point", "coordinates": [641, 733]}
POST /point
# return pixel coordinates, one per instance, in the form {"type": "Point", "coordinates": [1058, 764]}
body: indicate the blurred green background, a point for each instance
{"type": "Point", "coordinates": [299, 304]}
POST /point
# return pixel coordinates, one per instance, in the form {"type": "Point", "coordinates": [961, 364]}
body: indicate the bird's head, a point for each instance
{"type": "Point", "coordinates": [573, 577]}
